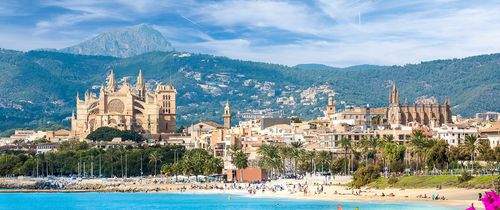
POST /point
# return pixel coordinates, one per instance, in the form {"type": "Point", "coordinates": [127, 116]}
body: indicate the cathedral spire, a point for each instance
{"type": "Point", "coordinates": [394, 97]}
{"type": "Point", "coordinates": [139, 85]}
{"type": "Point", "coordinates": [447, 100]}
{"type": "Point", "coordinates": [111, 82]}
{"type": "Point", "coordinates": [140, 81]}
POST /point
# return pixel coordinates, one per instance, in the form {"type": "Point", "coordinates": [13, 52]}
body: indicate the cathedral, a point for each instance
{"type": "Point", "coordinates": [127, 108]}
{"type": "Point", "coordinates": [429, 114]}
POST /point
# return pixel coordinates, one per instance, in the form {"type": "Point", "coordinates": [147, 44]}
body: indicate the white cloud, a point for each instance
{"type": "Point", "coordinates": [287, 32]}
{"type": "Point", "coordinates": [282, 15]}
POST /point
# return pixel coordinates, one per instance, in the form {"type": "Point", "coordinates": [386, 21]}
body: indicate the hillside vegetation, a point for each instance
{"type": "Point", "coordinates": [38, 88]}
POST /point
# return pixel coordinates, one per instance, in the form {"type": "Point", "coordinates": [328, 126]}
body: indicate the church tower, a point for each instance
{"type": "Point", "coordinates": [111, 85]}
{"type": "Point", "coordinates": [330, 107]}
{"type": "Point", "coordinates": [140, 86]}
{"type": "Point", "coordinates": [394, 109]}
{"type": "Point", "coordinates": [166, 102]}
{"type": "Point", "coordinates": [227, 116]}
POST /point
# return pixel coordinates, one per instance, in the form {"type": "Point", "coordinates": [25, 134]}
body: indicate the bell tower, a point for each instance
{"type": "Point", "coordinates": [227, 116]}
{"type": "Point", "coordinates": [330, 107]}
{"type": "Point", "coordinates": [165, 95]}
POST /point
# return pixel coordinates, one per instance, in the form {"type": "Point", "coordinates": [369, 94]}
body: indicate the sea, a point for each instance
{"type": "Point", "coordinates": [136, 201]}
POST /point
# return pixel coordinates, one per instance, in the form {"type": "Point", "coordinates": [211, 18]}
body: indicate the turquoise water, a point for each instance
{"type": "Point", "coordinates": [179, 201]}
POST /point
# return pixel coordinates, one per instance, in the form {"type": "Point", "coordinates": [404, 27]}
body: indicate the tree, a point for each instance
{"type": "Point", "coordinates": [470, 142]}
{"type": "Point", "coordinates": [296, 150]}
{"type": "Point", "coordinates": [241, 162]}
{"type": "Point", "coordinates": [419, 146]}
{"type": "Point", "coordinates": [394, 154]}
{"type": "Point", "coordinates": [484, 151]}
{"type": "Point", "coordinates": [286, 154]}
{"type": "Point", "coordinates": [346, 145]}
{"type": "Point", "coordinates": [269, 159]}
{"type": "Point", "coordinates": [8, 164]}
{"type": "Point", "coordinates": [364, 175]}
{"type": "Point", "coordinates": [437, 155]}
{"type": "Point", "coordinates": [213, 166]}
{"type": "Point", "coordinates": [108, 133]}
{"type": "Point", "coordinates": [195, 162]}
{"type": "Point", "coordinates": [154, 157]}
{"type": "Point", "coordinates": [323, 158]}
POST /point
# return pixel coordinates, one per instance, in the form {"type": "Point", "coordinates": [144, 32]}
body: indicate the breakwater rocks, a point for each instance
{"type": "Point", "coordinates": [86, 185]}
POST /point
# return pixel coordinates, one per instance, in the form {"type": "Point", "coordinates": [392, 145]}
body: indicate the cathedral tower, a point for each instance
{"type": "Point", "coordinates": [140, 86]}
{"type": "Point", "coordinates": [394, 109]}
{"type": "Point", "coordinates": [111, 86]}
{"type": "Point", "coordinates": [166, 101]}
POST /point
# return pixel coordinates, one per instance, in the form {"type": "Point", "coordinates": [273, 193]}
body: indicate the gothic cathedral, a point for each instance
{"type": "Point", "coordinates": [127, 108]}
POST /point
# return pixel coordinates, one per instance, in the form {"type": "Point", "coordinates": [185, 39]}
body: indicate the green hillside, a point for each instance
{"type": "Point", "coordinates": [38, 88]}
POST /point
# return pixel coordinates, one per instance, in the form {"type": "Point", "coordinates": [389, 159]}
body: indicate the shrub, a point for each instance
{"type": "Point", "coordinates": [392, 180]}
{"type": "Point", "coordinates": [364, 175]}
{"type": "Point", "coordinates": [464, 177]}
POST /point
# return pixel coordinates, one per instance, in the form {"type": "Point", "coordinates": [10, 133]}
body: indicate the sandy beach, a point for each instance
{"type": "Point", "coordinates": [283, 188]}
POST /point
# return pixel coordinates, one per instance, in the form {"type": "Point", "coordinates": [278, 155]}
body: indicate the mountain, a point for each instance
{"type": "Point", "coordinates": [316, 66]}
{"type": "Point", "coordinates": [122, 43]}
{"type": "Point", "coordinates": [38, 88]}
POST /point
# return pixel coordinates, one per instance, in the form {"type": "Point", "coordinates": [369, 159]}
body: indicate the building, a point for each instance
{"type": "Point", "coordinates": [43, 148]}
{"type": "Point", "coordinates": [127, 108]}
{"type": "Point", "coordinates": [58, 135]}
{"type": "Point", "coordinates": [491, 132]}
{"type": "Point", "coordinates": [454, 134]}
{"type": "Point", "coordinates": [429, 114]}
{"type": "Point", "coordinates": [28, 135]}
{"type": "Point", "coordinates": [366, 117]}
{"type": "Point", "coordinates": [488, 116]}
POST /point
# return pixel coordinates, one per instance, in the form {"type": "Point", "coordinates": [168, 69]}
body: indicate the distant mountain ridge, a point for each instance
{"type": "Point", "coordinates": [125, 42]}
{"type": "Point", "coordinates": [38, 88]}
{"type": "Point", "coordinates": [316, 66]}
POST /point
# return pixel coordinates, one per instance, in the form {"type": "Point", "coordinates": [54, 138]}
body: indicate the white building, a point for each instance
{"type": "Point", "coordinates": [454, 134]}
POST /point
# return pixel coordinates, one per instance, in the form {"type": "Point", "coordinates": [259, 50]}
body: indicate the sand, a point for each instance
{"type": "Point", "coordinates": [459, 197]}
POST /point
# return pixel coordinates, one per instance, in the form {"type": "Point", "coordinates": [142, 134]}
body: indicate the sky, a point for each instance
{"type": "Point", "coordinates": [332, 32]}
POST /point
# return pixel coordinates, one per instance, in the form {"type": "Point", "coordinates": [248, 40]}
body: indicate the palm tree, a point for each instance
{"type": "Point", "coordinates": [241, 162]}
{"type": "Point", "coordinates": [269, 158]}
{"type": "Point", "coordinates": [345, 143]}
{"type": "Point", "coordinates": [285, 153]}
{"type": "Point", "coordinates": [154, 157]}
{"type": "Point", "coordinates": [296, 149]}
{"type": "Point", "coordinates": [233, 149]}
{"type": "Point", "coordinates": [418, 146]}
{"type": "Point", "coordinates": [323, 158]}
{"type": "Point", "coordinates": [470, 142]}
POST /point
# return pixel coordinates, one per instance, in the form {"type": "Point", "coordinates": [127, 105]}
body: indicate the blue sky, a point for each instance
{"type": "Point", "coordinates": [333, 32]}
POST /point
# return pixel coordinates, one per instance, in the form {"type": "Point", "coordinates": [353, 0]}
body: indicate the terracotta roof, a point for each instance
{"type": "Point", "coordinates": [379, 110]}
{"type": "Point", "coordinates": [211, 123]}
{"type": "Point", "coordinates": [494, 127]}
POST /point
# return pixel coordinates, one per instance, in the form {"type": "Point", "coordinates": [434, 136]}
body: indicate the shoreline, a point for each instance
{"type": "Point", "coordinates": [455, 197]}
{"type": "Point", "coordinates": [271, 195]}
